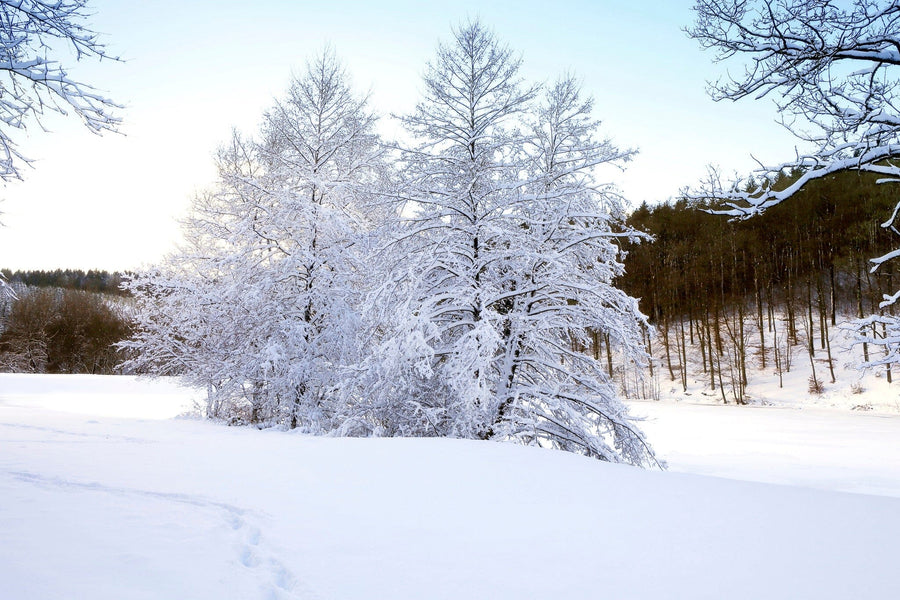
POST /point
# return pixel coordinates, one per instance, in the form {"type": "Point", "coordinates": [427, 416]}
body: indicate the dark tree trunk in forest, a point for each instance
{"type": "Point", "coordinates": [759, 320]}
{"type": "Point", "coordinates": [609, 360]}
{"type": "Point", "coordinates": [683, 357]}
{"type": "Point", "coordinates": [666, 343]}
{"type": "Point", "coordinates": [710, 353]}
{"type": "Point", "coordinates": [834, 300]}
{"type": "Point", "coordinates": [859, 303]}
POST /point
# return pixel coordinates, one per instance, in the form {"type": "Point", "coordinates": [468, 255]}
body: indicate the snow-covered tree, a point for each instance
{"type": "Point", "coordinates": [562, 279]}
{"type": "Point", "coordinates": [33, 81]}
{"type": "Point", "coordinates": [832, 69]}
{"type": "Point", "coordinates": [457, 305]}
{"type": "Point", "coordinates": [504, 260]}
{"type": "Point", "coordinates": [258, 306]}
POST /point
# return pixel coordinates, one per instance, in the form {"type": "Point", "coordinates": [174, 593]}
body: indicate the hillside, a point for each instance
{"type": "Point", "coordinates": [762, 310]}
{"type": "Point", "coordinates": [786, 384]}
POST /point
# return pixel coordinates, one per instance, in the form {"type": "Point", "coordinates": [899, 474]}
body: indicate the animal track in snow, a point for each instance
{"type": "Point", "coordinates": [88, 436]}
{"type": "Point", "coordinates": [277, 582]}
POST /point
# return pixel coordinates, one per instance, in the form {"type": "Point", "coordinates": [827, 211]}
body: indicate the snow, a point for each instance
{"type": "Point", "coordinates": [810, 447]}
{"type": "Point", "coordinates": [107, 495]}
{"type": "Point", "coordinates": [126, 396]}
{"type": "Point", "coordinates": [845, 438]}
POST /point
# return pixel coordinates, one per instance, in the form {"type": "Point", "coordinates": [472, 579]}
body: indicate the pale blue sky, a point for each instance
{"type": "Point", "coordinates": [194, 70]}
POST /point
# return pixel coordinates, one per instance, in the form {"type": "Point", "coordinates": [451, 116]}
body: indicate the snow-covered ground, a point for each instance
{"type": "Point", "coordinates": [828, 449]}
{"type": "Point", "coordinates": [106, 494]}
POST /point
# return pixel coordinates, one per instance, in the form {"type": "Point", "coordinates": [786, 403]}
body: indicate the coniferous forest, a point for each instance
{"type": "Point", "coordinates": [93, 280]}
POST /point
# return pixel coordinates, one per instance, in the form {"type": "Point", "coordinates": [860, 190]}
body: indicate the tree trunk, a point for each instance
{"type": "Point", "coordinates": [759, 322]}
{"type": "Point", "coordinates": [831, 277]}
{"type": "Point", "coordinates": [859, 303]}
{"type": "Point", "coordinates": [609, 360]}
{"type": "Point", "coordinates": [683, 357]}
{"type": "Point", "coordinates": [665, 334]}
{"type": "Point", "coordinates": [712, 370]}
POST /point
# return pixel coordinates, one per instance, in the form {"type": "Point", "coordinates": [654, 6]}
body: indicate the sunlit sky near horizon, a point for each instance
{"type": "Point", "coordinates": [193, 70]}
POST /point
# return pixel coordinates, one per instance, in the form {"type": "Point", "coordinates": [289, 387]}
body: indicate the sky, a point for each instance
{"type": "Point", "coordinates": [193, 71]}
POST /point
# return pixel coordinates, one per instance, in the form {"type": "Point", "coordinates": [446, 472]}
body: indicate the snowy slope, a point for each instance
{"type": "Point", "coordinates": [104, 498]}
{"type": "Point", "coordinates": [852, 388]}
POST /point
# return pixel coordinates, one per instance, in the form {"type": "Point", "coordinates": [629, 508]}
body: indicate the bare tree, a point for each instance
{"type": "Point", "coordinates": [25, 341]}
{"type": "Point", "coordinates": [33, 82]}
{"type": "Point", "coordinates": [831, 68]}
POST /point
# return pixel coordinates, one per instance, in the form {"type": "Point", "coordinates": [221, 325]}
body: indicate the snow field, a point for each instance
{"type": "Point", "coordinates": [100, 506]}
{"type": "Point", "coordinates": [819, 448]}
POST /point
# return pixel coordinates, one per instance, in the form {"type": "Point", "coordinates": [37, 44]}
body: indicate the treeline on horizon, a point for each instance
{"type": "Point", "coordinates": [792, 270]}
{"type": "Point", "coordinates": [103, 282]}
